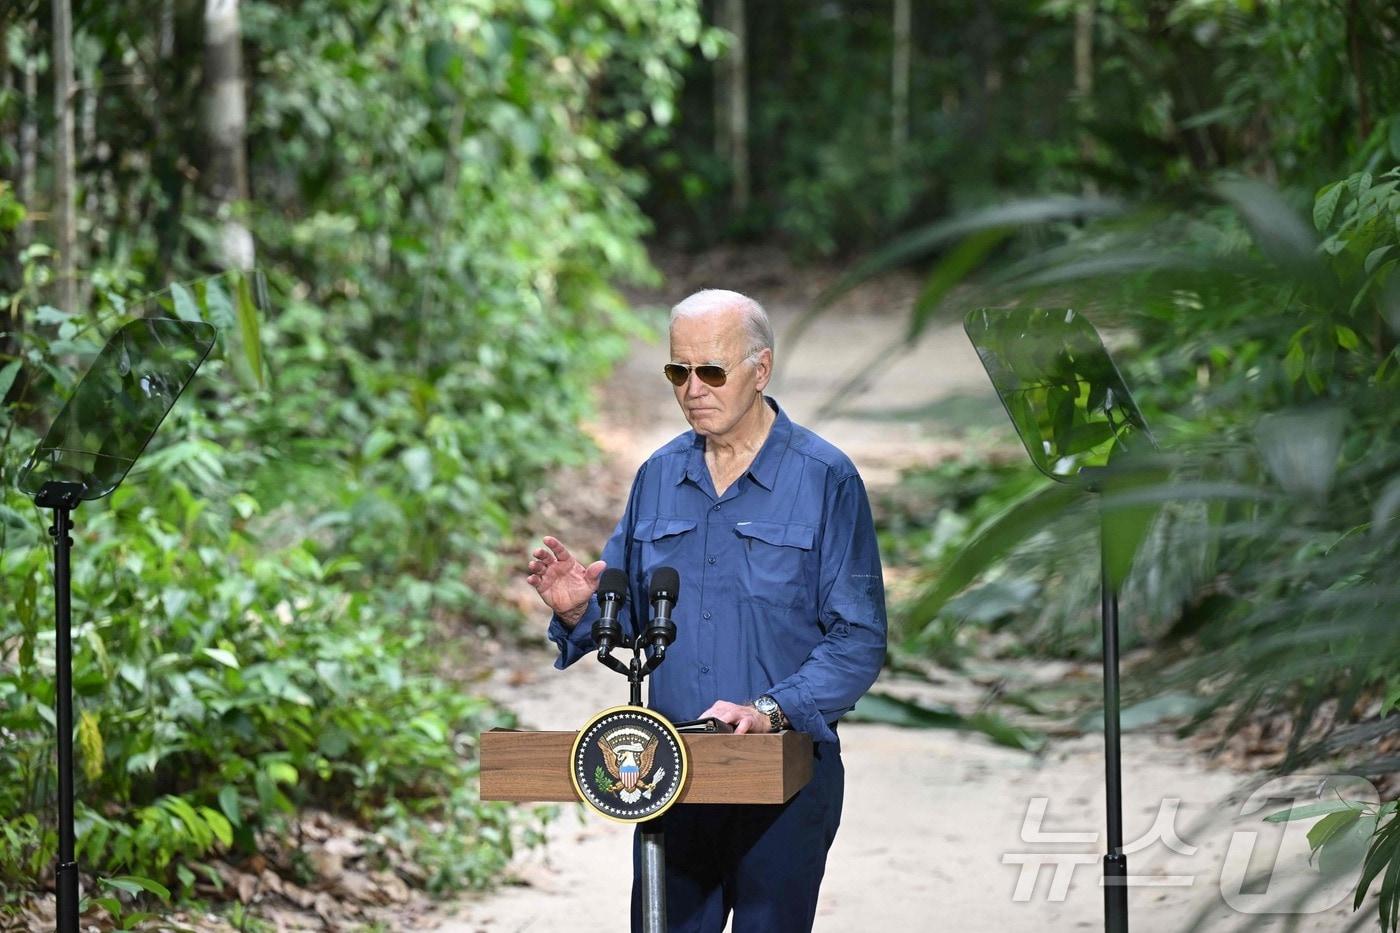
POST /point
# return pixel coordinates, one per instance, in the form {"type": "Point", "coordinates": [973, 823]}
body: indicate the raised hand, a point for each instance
{"type": "Point", "coordinates": [563, 583]}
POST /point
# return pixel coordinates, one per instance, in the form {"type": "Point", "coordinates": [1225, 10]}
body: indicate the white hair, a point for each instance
{"type": "Point", "coordinates": [756, 325]}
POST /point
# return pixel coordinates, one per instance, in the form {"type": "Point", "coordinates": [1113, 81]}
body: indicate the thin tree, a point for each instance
{"type": "Point", "coordinates": [28, 134]}
{"type": "Point", "coordinates": [64, 210]}
{"type": "Point", "coordinates": [226, 125]}
{"type": "Point", "coordinates": [899, 78]}
{"type": "Point", "coordinates": [1084, 80]}
{"type": "Point", "coordinates": [735, 85]}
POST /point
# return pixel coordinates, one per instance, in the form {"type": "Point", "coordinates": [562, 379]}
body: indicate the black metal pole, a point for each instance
{"type": "Point", "coordinates": [66, 873]}
{"type": "Point", "coordinates": [653, 877]}
{"type": "Point", "coordinates": [634, 682]}
{"type": "Point", "coordinates": [1115, 863]}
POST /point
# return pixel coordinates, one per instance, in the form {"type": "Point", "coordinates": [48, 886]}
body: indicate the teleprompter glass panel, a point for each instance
{"type": "Point", "coordinates": [1064, 394]}
{"type": "Point", "coordinates": [135, 380]}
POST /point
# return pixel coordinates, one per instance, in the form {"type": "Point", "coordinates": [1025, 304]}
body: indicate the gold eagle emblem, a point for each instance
{"type": "Point", "coordinates": [629, 753]}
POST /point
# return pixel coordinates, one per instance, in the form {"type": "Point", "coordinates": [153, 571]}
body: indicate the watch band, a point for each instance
{"type": "Point", "coordinates": [777, 719]}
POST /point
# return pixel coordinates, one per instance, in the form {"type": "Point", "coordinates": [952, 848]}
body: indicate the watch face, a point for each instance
{"type": "Point", "coordinates": [765, 704]}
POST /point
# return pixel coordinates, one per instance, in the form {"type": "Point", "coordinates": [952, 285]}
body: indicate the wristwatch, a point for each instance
{"type": "Point", "coordinates": [769, 707]}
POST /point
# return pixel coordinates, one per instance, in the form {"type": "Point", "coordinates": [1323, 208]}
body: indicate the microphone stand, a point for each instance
{"type": "Point", "coordinates": [634, 670]}
{"type": "Point", "coordinates": [651, 834]}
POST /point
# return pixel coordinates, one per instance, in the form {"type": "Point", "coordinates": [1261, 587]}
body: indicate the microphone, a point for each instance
{"type": "Point", "coordinates": [612, 593]}
{"type": "Point", "coordinates": [665, 592]}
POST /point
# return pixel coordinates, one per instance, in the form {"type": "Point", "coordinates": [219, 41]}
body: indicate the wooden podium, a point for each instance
{"type": "Point", "coordinates": [724, 768]}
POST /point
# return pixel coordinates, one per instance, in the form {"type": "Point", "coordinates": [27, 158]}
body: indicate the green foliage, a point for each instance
{"type": "Point", "coordinates": [1382, 861]}
{"type": "Point", "coordinates": [261, 609]}
{"type": "Point", "coordinates": [1266, 579]}
{"type": "Point", "coordinates": [893, 711]}
{"type": "Point", "coordinates": [1172, 92]}
{"type": "Point", "coordinates": [1349, 829]}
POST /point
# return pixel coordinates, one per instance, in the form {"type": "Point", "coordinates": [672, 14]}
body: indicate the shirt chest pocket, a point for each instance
{"type": "Point", "coordinates": [663, 542]}
{"type": "Point", "coordinates": [779, 561]}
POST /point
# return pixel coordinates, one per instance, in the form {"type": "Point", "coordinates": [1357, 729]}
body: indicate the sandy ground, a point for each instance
{"type": "Point", "coordinates": [937, 825]}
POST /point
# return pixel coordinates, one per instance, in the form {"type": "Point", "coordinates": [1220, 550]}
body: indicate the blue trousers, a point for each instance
{"type": "Point", "coordinates": [763, 862]}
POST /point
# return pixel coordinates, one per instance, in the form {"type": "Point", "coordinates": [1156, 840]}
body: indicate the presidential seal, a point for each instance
{"type": "Point", "coordinates": [628, 764]}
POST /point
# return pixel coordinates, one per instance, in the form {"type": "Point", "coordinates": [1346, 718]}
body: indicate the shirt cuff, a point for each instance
{"type": "Point", "coordinates": [801, 710]}
{"type": "Point", "coordinates": [576, 642]}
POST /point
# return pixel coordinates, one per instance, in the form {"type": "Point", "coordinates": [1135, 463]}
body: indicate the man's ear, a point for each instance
{"type": "Point", "coordinates": [764, 369]}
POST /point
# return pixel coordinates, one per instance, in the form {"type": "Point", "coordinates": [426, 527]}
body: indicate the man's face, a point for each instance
{"type": "Point", "coordinates": [718, 338]}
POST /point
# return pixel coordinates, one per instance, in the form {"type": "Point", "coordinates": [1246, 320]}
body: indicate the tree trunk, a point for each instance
{"type": "Point", "coordinates": [90, 145]}
{"type": "Point", "coordinates": [9, 260]}
{"type": "Point", "coordinates": [226, 124]}
{"type": "Point", "coordinates": [64, 212]}
{"type": "Point", "coordinates": [731, 14]}
{"type": "Point", "coordinates": [28, 166]}
{"type": "Point", "coordinates": [165, 39]}
{"type": "Point", "coordinates": [1364, 124]}
{"type": "Point", "coordinates": [1084, 81]}
{"type": "Point", "coordinates": [721, 99]}
{"type": "Point", "coordinates": [1084, 49]}
{"type": "Point", "coordinates": [899, 78]}
{"type": "Point", "coordinates": [29, 137]}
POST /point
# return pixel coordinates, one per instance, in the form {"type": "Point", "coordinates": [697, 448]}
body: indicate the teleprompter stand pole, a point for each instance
{"type": "Point", "coordinates": [63, 498]}
{"type": "Point", "coordinates": [1115, 863]}
{"type": "Point", "coordinates": [1103, 448]}
{"type": "Point", "coordinates": [86, 453]}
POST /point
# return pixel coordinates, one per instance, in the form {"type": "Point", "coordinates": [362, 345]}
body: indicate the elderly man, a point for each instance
{"type": "Point", "coordinates": [781, 618]}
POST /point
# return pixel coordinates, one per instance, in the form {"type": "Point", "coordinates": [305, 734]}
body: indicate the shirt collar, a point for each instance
{"type": "Point", "coordinates": [766, 463]}
{"type": "Point", "coordinates": [764, 468]}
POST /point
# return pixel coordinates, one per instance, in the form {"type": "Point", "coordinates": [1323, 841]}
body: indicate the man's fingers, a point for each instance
{"type": "Point", "coordinates": [742, 726]}
{"type": "Point", "coordinates": [595, 571]}
{"type": "Point", "coordinates": [720, 709]}
{"type": "Point", "coordinates": [557, 548]}
{"type": "Point", "coordinates": [724, 711]}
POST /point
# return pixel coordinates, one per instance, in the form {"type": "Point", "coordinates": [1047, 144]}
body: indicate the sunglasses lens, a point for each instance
{"type": "Point", "coordinates": [712, 376]}
{"type": "Point", "coordinates": [709, 374]}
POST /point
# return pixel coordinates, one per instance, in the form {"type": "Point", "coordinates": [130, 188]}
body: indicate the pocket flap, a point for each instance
{"type": "Point", "coordinates": [653, 529]}
{"type": "Point", "coordinates": [782, 534]}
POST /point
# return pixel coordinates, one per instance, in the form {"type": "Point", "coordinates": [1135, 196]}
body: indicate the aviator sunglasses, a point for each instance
{"type": "Point", "coordinates": [708, 373]}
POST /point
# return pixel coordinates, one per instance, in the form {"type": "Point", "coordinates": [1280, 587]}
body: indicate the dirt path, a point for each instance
{"type": "Point", "coordinates": [935, 822]}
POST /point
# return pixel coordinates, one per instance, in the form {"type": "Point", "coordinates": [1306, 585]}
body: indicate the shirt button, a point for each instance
{"type": "Point", "coordinates": [716, 508]}
{"type": "Point", "coordinates": [705, 669]}
{"type": "Point", "coordinates": [712, 558]}
{"type": "Point", "coordinates": [706, 613]}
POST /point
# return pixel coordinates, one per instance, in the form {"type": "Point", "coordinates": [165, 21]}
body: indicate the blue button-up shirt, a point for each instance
{"type": "Point", "coordinates": [781, 589]}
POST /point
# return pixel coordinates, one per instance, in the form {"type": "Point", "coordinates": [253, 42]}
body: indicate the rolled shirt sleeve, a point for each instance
{"type": "Point", "coordinates": [574, 642]}
{"type": "Point", "coordinates": [577, 642]}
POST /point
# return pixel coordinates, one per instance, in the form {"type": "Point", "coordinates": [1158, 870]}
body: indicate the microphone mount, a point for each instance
{"type": "Point", "coordinates": [661, 632]}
